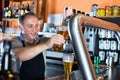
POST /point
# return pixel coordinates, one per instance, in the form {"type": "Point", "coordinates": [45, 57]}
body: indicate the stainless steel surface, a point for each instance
{"type": "Point", "coordinates": [76, 34]}
{"type": "Point", "coordinates": [110, 74]}
{"type": "Point", "coordinates": [82, 55]}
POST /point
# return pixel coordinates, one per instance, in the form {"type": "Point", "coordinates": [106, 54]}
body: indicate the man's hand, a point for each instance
{"type": "Point", "coordinates": [55, 39]}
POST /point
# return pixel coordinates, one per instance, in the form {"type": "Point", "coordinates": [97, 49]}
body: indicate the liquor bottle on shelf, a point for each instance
{"type": "Point", "coordinates": [6, 72]}
{"type": "Point", "coordinates": [22, 11]}
{"type": "Point", "coordinates": [32, 8]}
{"type": "Point", "coordinates": [108, 46]}
{"type": "Point", "coordinates": [102, 56]}
{"type": "Point", "coordinates": [113, 54]}
{"type": "Point", "coordinates": [27, 8]}
{"type": "Point", "coordinates": [14, 11]}
{"type": "Point", "coordinates": [116, 57]}
{"type": "Point", "coordinates": [113, 44]}
{"type": "Point", "coordinates": [3, 14]}
{"type": "Point", "coordinates": [6, 12]}
{"type": "Point", "coordinates": [1, 27]}
{"type": "Point", "coordinates": [9, 14]}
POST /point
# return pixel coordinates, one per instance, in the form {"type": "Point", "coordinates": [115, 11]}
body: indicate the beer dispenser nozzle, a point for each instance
{"type": "Point", "coordinates": [75, 28]}
{"type": "Point", "coordinates": [117, 35]}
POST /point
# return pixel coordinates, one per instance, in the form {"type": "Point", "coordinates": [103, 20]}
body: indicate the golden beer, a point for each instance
{"type": "Point", "coordinates": [68, 59]}
{"type": "Point", "coordinates": [67, 70]}
{"type": "Point", "coordinates": [57, 47]}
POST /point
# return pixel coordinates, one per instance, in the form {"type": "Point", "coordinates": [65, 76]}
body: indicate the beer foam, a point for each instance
{"type": "Point", "coordinates": [68, 60]}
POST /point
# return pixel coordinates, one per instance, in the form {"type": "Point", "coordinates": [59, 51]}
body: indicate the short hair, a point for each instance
{"type": "Point", "coordinates": [22, 17]}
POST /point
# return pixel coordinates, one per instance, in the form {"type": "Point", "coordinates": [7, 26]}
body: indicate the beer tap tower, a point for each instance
{"type": "Point", "coordinates": [75, 28]}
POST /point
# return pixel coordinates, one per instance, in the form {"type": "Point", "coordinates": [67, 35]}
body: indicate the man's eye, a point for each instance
{"type": "Point", "coordinates": [30, 26]}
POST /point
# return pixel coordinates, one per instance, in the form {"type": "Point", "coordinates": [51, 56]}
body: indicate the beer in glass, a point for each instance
{"type": "Point", "coordinates": [63, 31]}
{"type": "Point", "coordinates": [68, 59]}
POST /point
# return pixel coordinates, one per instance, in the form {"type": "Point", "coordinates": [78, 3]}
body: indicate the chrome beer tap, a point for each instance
{"type": "Point", "coordinates": [75, 28]}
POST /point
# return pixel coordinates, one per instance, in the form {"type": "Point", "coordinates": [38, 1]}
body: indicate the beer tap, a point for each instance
{"type": "Point", "coordinates": [117, 35]}
{"type": "Point", "coordinates": [75, 28]}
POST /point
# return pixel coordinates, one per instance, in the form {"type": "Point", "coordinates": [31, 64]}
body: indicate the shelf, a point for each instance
{"type": "Point", "coordinates": [11, 35]}
{"type": "Point", "coordinates": [108, 16]}
{"type": "Point", "coordinates": [9, 19]}
{"type": "Point", "coordinates": [113, 19]}
{"type": "Point", "coordinates": [108, 39]}
{"type": "Point", "coordinates": [109, 50]}
{"type": "Point", "coordinates": [38, 5]}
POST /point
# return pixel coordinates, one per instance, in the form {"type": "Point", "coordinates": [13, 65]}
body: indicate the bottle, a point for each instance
{"type": "Point", "coordinates": [9, 15]}
{"type": "Point", "coordinates": [6, 12]}
{"type": "Point", "coordinates": [116, 57]}
{"type": "Point", "coordinates": [6, 72]}
{"type": "Point", "coordinates": [116, 10]}
{"type": "Point", "coordinates": [108, 10]}
{"type": "Point", "coordinates": [22, 11]}
{"type": "Point", "coordinates": [94, 10]}
{"type": "Point", "coordinates": [1, 27]}
{"type": "Point", "coordinates": [17, 13]}
{"type": "Point", "coordinates": [27, 10]}
{"type": "Point", "coordinates": [102, 56]}
{"type": "Point", "coordinates": [3, 15]}
{"type": "Point", "coordinates": [14, 11]}
{"type": "Point", "coordinates": [32, 8]}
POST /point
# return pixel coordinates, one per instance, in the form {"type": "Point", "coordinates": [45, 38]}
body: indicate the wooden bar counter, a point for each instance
{"type": "Point", "coordinates": [112, 74]}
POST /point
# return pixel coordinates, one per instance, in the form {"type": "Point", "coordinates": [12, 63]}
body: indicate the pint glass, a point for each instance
{"type": "Point", "coordinates": [68, 59]}
{"type": "Point", "coordinates": [63, 31]}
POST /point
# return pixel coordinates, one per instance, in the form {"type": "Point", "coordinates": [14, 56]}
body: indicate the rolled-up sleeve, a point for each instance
{"type": "Point", "coordinates": [16, 63]}
{"type": "Point", "coordinates": [16, 43]}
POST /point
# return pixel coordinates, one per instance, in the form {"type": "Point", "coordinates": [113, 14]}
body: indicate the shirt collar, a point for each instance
{"type": "Point", "coordinates": [22, 39]}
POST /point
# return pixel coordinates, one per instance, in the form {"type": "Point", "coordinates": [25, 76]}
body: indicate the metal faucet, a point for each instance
{"type": "Point", "coordinates": [75, 29]}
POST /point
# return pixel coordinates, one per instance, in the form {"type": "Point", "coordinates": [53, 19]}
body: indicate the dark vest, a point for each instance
{"type": "Point", "coordinates": [33, 69]}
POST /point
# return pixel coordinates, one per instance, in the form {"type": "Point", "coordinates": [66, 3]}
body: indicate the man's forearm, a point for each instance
{"type": "Point", "coordinates": [27, 53]}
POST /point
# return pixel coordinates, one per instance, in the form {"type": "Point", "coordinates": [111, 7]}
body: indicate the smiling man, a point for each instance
{"type": "Point", "coordinates": [28, 47]}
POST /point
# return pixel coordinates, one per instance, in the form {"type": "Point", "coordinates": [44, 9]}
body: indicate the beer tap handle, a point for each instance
{"type": "Point", "coordinates": [75, 28]}
{"type": "Point", "coordinates": [117, 35]}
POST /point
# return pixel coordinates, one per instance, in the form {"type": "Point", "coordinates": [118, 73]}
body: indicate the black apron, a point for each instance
{"type": "Point", "coordinates": [33, 69]}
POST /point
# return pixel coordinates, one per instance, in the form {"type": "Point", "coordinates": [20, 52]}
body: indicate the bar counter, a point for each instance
{"type": "Point", "coordinates": [112, 74]}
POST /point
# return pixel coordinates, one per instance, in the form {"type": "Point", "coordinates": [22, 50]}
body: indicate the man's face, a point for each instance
{"type": "Point", "coordinates": [30, 27]}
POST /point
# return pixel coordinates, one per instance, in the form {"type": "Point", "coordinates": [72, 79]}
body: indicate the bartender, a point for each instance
{"type": "Point", "coordinates": [28, 47]}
